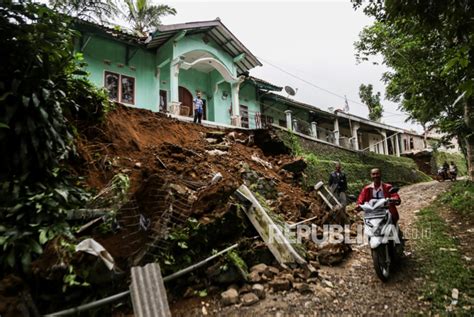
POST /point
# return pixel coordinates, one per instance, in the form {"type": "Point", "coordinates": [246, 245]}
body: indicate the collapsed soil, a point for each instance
{"type": "Point", "coordinates": [171, 166]}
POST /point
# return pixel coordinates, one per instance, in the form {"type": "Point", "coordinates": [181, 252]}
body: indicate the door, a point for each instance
{"type": "Point", "coordinates": [186, 100]}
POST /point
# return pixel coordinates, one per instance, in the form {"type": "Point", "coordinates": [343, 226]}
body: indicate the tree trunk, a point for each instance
{"type": "Point", "coordinates": [469, 139]}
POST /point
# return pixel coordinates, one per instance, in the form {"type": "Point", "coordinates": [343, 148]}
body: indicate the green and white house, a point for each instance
{"type": "Point", "coordinates": [165, 71]}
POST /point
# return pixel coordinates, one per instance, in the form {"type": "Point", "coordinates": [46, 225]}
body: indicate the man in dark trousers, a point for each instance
{"type": "Point", "coordinates": [198, 108]}
{"type": "Point", "coordinates": [338, 184]}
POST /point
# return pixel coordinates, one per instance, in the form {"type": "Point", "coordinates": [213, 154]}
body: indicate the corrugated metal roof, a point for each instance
{"type": "Point", "coordinates": [263, 84]}
{"type": "Point", "coordinates": [148, 292]}
{"type": "Point", "coordinates": [217, 31]}
{"type": "Point", "coordinates": [108, 31]}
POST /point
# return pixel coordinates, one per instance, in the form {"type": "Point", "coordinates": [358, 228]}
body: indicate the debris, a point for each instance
{"type": "Point", "coordinates": [302, 288]}
{"type": "Point", "coordinates": [249, 299]}
{"type": "Point", "coordinates": [229, 297]}
{"type": "Point", "coordinates": [144, 223]}
{"type": "Point", "coordinates": [216, 178]}
{"type": "Point", "coordinates": [454, 296]}
{"type": "Point", "coordinates": [148, 292]}
{"type": "Point", "coordinates": [280, 285]}
{"type": "Point", "coordinates": [271, 271]}
{"type": "Point", "coordinates": [211, 140]}
{"type": "Point", "coordinates": [161, 162]}
{"type": "Point", "coordinates": [91, 246]}
{"type": "Point", "coordinates": [296, 166]}
{"type": "Point", "coordinates": [259, 268]}
{"type": "Point", "coordinates": [259, 290]}
{"type": "Point", "coordinates": [138, 165]}
{"type": "Point", "coordinates": [254, 277]}
{"type": "Point", "coordinates": [218, 135]}
{"type": "Point", "coordinates": [332, 253]}
{"type": "Point", "coordinates": [265, 164]}
{"type": "Point", "coordinates": [215, 152]}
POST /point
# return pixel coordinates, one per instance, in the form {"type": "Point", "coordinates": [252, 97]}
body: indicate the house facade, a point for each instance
{"type": "Point", "coordinates": [165, 71]}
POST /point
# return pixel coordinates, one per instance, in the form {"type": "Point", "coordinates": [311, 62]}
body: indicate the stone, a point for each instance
{"type": "Point", "coordinates": [211, 140]}
{"type": "Point", "coordinates": [254, 277]}
{"type": "Point", "coordinates": [302, 288]}
{"type": "Point", "coordinates": [271, 271]}
{"type": "Point", "coordinates": [249, 299]}
{"type": "Point", "coordinates": [288, 277]}
{"type": "Point", "coordinates": [295, 166]}
{"type": "Point", "coordinates": [259, 268]}
{"type": "Point", "coordinates": [246, 288]}
{"type": "Point", "coordinates": [258, 290]}
{"type": "Point", "coordinates": [229, 297]}
{"type": "Point", "coordinates": [280, 284]}
{"type": "Point", "coordinates": [233, 286]}
{"type": "Point", "coordinates": [138, 164]}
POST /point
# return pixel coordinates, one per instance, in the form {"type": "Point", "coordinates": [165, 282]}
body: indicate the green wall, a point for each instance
{"type": "Point", "coordinates": [99, 49]}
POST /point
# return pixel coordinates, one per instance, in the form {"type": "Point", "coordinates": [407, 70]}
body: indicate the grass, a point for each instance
{"type": "Point", "coordinates": [357, 165]}
{"type": "Point", "coordinates": [442, 261]}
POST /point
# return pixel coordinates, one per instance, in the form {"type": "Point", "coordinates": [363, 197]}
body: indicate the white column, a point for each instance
{"type": "Point", "coordinates": [288, 119]}
{"type": "Point", "coordinates": [398, 144]}
{"type": "Point", "coordinates": [314, 130]}
{"type": "Point", "coordinates": [235, 119]}
{"type": "Point", "coordinates": [385, 143]}
{"type": "Point", "coordinates": [355, 138]}
{"type": "Point", "coordinates": [174, 86]}
{"type": "Point", "coordinates": [336, 131]}
{"type": "Point", "coordinates": [295, 125]}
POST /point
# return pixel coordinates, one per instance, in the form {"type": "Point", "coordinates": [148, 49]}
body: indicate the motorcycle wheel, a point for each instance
{"type": "Point", "coordinates": [381, 265]}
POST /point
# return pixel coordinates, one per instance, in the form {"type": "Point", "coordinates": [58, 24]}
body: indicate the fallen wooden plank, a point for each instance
{"type": "Point", "coordinates": [278, 243]}
{"type": "Point", "coordinates": [148, 292]}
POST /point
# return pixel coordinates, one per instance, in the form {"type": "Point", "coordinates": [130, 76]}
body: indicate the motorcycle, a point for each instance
{"type": "Point", "coordinates": [385, 238]}
{"type": "Point", "coordinates": [453, 173]}
{"type": "Point", "coordinates": [442, 175]}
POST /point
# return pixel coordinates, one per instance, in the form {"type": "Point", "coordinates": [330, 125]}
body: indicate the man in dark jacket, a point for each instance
{"type": "Point", "coordinates": [338, 184]}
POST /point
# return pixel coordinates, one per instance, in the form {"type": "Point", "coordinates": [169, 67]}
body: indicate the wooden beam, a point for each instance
{"type": "Point", "coordinates": [239, 57]}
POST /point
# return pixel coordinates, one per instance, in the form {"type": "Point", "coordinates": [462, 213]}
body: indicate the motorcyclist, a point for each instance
{"type": "Point", "coordinates": [378, 190]}
{"type": "Point", "coordinates": [453, 169]}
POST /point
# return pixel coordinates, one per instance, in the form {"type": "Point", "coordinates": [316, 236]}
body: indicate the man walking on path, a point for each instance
{"type": "Point", "coordinates": [198, 108]}
{"type": "Point", "coordinates": [338, 184]}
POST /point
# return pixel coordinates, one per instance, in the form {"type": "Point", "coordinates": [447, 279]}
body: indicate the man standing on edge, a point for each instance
{"type": "Point", "coordinates": [378, 190]}
{"type": "Point", "coordinates": [198, 107]}
{"type": "Point", "coordinates": [338, 184]}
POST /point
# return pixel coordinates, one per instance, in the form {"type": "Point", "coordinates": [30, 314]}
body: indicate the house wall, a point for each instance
{"type": "Point", "coordinates": [99, 49]}
{"type": "Point", "coordinates": [418, 143]}
{"type": "Point", "coordinates": [248, 97]}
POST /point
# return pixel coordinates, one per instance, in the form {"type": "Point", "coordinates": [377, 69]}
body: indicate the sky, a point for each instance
{"type": "Point", "coordinates": [312, 40]}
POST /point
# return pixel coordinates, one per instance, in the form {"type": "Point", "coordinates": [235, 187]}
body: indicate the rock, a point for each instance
{"type": "Point", "coordinates": [218, 135]}
{"type": "Point", "coordinates": [302, 288]}
{"type": "Point", "coordinates": [259, 290]}
{"type": "Point", "coordinates": [138, 164]}
{"type": "Point", "coordinates": [271, 271]}
{"type": "Point", "coordinates": [249, 299]}
{"type": "Point", "coordinates": [229, 297]}
{"type": "Point", "coordinates": [259, 268]}
{"type": "Point", "coordinates": [233, 286]}
{"type": "Point", "coordinates": [246, 288]}
{"type": "Point", "coordinates": [211, 140]}
{"type": "Point", "coordinates": [296, 166]}
{"type": "Point", "coordinates": [280, 285]}
{"type": "Point", "coordinates": [331, 254]}
{"type": "Point", "coordinates": [254, 277]}
{"type": "Point", "coordinates": [288, 277]}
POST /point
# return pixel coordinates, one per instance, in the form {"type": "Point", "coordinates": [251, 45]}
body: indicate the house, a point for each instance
{"type": "Point", "coordinates": [165, 71]}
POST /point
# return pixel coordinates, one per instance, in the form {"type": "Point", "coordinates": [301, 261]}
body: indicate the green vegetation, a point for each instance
{"type": "Point", "coordinates": [357, 165]}
{"type": "Point", "coordinates": [42, 89]}
{"type": "Point", "coordinates": [442, 262]}
{"type": "Point", "coordinates": [440, 157]}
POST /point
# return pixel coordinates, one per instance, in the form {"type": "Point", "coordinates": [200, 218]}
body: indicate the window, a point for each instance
{"type": "Point", "coordinates": [121, 88]}
{"type": "Point", "coordinates": [411, 143]}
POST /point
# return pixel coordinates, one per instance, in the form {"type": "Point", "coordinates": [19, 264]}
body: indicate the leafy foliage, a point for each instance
{"type": "Point", "coordinates": [95, 10]}
{"type": "Point", "coordinates": [372, 101]}
{"type": "Point", "coordinates": [144, 16]}
{"type": "Point", "coordinates": [429, 48]}
{"type": "Point", "coordinates": [41, 85]}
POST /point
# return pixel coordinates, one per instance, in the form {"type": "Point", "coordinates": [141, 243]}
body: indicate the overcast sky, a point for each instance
{"type": "Point", "coordinates": [309, 39]}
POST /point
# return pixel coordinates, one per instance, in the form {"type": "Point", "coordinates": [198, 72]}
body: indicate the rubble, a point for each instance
{"type": "Point", "coordinates": [249, 299]}
{"type": "Point", "coordinates": [229, 297]}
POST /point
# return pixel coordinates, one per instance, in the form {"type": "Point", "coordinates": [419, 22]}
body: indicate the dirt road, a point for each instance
{"type": "Point", "coordinates": [353, 287]}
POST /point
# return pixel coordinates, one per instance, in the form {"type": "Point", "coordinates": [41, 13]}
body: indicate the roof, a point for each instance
{"type": "Point", "coordinates": [367, 121]}
{"type": "Point", "coordinates": [216, 31]}
{"type": "Point", "coordinates": [263, 84]}
{"type": "Point", "coordinates": [108, 31]}
{"type": "Point", "coordinates": [295, 103]}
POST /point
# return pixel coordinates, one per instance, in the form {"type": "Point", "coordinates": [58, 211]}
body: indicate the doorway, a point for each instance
{"type": "Point", "coordinates": [186, 99]}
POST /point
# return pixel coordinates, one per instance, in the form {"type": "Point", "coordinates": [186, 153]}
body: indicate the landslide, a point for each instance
{"type": "Point", "coordinates": [178, 210]}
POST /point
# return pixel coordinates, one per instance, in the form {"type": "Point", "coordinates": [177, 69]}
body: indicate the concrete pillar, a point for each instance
{"type": "Point", "coordinates": [336, 131]}
{"type": "Point", "coordinates": [289, 122]}
{"type": "Point", "coordinates": [314, 130]}
{"type": "Point", "coordinates": [174, 82]}
{"type": "Point", "coordinates": [355, 138]}
{"type": "Point", "coordinates": [235, 88]}
{"type": "Point", "coordinates": [397, 144]}
{"type": "Point", "coordinates": [295, 125]}
{"type": "Point", "coordinates": [385, 143]}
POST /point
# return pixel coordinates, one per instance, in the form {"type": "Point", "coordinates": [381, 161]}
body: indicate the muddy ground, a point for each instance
{"type": "Point", "coordinates": [352, 288]}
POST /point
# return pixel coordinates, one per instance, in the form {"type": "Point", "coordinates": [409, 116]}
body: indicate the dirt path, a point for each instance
{"type": "Point", "coordinates": [352, 288]}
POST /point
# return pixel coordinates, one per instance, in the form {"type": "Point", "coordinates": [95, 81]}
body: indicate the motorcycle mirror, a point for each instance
{"type": "Point", "coordinates": [393, 190]}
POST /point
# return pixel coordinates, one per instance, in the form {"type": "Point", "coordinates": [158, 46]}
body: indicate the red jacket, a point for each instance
{"type": "Point", "coordinates": [366, 195]}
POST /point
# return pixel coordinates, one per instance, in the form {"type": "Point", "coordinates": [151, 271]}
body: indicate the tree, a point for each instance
{"type": "Point", "coordinates": [95, 10]}
{"type": "Point", "coordinates": [429, 49]}
{"type": "Point", "coordinates": [372, 101]}
{"type": "Point", "coordinates": [144, 16]}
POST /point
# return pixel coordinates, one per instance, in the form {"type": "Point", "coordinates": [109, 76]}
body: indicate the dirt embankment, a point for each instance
{"type": "Point", "coordinates": [179, 210]}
